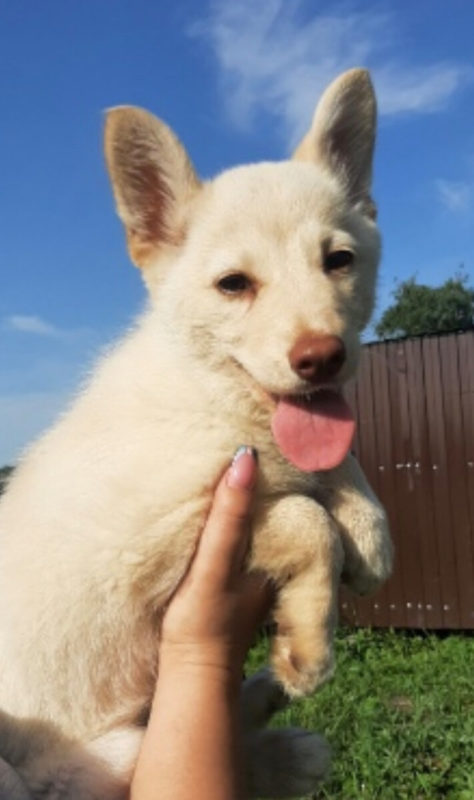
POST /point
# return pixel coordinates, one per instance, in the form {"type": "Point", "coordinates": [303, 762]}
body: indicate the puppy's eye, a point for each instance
{"type": "Point", "coordinates": [235, 283]}
{"type": "Point", "coordinates": [338, 260]}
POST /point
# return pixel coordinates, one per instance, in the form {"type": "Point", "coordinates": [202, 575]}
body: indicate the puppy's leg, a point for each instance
{"type": "Point", "coordinates": [280, 763]}
{"type": "Point", "coordinates": [298, 545]}
{"type": "Point", "coordinates": [362, 523]}
{"type": "Point", "coordinates": [51, 765]}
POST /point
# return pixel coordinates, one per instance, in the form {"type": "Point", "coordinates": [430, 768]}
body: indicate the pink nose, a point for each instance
{"type": "Point", "coordinates": [317, 357]}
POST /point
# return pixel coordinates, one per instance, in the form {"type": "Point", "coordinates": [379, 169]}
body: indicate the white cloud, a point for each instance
{"type": "Point", "coordinates": [37, 326]}
{"type": "Point", "coordinates": [420, 89]}
{"type": "Point", "coordinates": [455, 195]}
{"type": "Point", "coordinates": [29, 323]}
{"type": "Point", "coordinates": [273, 57]}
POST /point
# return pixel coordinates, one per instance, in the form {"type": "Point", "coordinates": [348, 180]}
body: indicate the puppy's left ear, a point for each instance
{"type": "Point", "coordinates": [342, 135]}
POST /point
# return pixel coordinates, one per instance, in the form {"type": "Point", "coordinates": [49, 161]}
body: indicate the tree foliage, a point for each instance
{"type": "Point", "coordinates": [5, 473]}
{"type": "Point", "coordinates": [421, 309]}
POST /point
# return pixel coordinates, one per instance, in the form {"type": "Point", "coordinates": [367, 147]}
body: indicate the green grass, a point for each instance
{"type": "Point", "coordinates": [399, 715]}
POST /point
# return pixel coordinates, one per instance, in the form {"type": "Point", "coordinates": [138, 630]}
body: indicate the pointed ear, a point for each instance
{"type": "Point", "coordinates": [342, 134]}
{"type": "Point", "coordinates": [152, 179]}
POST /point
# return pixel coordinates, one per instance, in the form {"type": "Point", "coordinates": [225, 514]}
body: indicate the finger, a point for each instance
{"type": "Point", "coordinates": [225, 538]}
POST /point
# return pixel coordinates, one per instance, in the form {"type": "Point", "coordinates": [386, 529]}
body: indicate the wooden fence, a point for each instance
{"type": "Point", "coordinates": [414, 401]}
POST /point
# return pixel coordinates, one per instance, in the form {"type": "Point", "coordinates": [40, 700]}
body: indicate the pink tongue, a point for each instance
{"type": "Point", "coordinates": [314, 435]}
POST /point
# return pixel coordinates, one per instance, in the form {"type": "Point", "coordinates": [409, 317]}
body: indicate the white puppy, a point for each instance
{"type": "Point", "coordinates": [260, 282]}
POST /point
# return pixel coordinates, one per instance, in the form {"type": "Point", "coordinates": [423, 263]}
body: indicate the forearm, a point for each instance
{"type": "Point", "coordinates": [191, 746]}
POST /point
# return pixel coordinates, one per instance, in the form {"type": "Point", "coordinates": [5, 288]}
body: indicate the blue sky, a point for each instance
{"type": "Point", "coordinates": [238, 81]}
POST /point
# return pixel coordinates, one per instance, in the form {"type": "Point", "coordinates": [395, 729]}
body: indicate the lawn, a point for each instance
{"type": "Point", "coordinates": [399, 715]}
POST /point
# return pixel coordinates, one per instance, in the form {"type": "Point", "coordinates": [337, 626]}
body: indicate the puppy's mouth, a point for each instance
{"type": "Point", "coordinates": [313, 431]}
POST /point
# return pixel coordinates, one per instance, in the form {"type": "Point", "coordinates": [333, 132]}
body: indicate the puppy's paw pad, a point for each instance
{"type": "Point", "coordinates": [301, 674]}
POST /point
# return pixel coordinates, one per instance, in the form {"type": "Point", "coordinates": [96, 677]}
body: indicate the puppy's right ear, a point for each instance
{"type": "Point", "coordinates": [152, 178]}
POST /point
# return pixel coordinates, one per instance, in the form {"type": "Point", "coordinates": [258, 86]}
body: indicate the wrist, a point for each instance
{"type": "Point", "coordinates": [216, 663]}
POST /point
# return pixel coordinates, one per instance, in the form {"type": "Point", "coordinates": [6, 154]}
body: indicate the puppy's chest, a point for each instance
{"type": "Point", "coordinates": [279, 478]}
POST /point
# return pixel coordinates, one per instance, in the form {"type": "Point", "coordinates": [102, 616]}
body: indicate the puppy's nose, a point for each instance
{"type": "Point", "coordinates": [317, 357]}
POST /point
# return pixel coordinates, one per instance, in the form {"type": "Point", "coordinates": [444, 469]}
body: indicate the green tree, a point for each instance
{"type": "Point", "coordinates": [421, 309]}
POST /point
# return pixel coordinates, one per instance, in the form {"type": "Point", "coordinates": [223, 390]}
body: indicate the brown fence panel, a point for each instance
{"type": "Point", "coordinates": [414, 404]}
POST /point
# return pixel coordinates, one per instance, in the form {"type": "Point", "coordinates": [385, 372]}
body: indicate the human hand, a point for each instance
{"type": "Point", "coordinates": [212, 618]}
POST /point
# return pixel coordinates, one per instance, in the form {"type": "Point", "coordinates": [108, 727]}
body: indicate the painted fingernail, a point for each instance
{"type": "Point", "coordinates": [243, 470]}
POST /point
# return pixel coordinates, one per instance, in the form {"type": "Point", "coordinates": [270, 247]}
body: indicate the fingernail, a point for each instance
{"type": "Point", "coordinates": [243, 470]}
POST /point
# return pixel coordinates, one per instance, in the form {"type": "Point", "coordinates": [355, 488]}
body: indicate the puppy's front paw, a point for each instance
{"type": "Point", "coordinates": [302, 663]}
{"type": "Point", "coordinates": [369, 558]}
{"type": "Point", "coordinates": [287, 762]}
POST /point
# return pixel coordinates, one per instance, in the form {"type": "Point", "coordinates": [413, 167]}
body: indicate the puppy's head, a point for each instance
{"type": "Point", "coordinates": [269, 269]}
